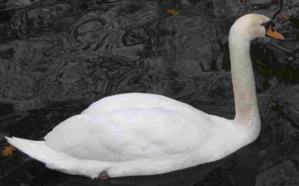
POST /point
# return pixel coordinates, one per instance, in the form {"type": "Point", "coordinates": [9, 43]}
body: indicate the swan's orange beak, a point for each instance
{"type": "Point", "coordinates": [271, 32]}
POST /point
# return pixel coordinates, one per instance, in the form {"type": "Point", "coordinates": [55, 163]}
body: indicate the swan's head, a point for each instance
{"type": "Point", "coordinates": [252, 26]}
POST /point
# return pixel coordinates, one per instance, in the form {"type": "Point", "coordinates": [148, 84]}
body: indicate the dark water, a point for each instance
{"type": "Point", "coordinates": [57, 57]}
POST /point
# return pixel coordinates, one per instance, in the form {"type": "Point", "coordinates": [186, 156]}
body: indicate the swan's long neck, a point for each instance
{"type": "Point", "coordinates": [243, 79]}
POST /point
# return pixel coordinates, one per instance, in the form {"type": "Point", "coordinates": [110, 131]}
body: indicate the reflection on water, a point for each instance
{"type": "Point", "coordinates": [56, 57]}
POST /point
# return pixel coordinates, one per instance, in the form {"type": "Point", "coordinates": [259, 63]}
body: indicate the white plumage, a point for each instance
{"type": "Point", "coordinates": [145, 134]}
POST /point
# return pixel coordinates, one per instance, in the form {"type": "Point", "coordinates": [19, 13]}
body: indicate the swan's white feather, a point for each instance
{"type": "Point", "coordinates": [133, 141]}
{"type": "Point", "coordinates": [145, 134]}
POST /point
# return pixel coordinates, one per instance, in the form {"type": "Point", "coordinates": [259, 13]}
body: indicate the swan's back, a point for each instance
{"type": "Point", "coordinates": [149, 125]}
{"type": "Point", "coordinates": [138, 101]}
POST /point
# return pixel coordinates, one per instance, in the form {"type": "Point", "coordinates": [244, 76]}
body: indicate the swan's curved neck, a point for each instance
{"type": "Point", "coordinates": [243, 79]}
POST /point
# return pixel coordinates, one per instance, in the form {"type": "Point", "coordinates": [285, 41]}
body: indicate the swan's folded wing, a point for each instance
{"type": "Point", "coordinates": [129, 134]}
{"type": "Point", "coordinates": [137, 101]}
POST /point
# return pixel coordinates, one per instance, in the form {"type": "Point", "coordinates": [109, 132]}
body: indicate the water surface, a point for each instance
{"type": "Point", "coordinates": [57, 57]}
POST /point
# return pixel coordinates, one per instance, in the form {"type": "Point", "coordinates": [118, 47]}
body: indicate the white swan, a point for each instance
{"type": "Point", "coordinates": [146, 134]}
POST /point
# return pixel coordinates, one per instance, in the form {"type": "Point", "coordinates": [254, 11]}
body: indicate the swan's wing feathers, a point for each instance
{"type": "Point", "coordinates": [137, 101]}
{"type": "Point", "coordinates": [128, 134]}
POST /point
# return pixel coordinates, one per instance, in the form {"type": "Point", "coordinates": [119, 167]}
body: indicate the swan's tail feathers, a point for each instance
{"type": "Point", "coordinates": [53, 159]}
{"type": "Point", "coordinates": [41, 152]}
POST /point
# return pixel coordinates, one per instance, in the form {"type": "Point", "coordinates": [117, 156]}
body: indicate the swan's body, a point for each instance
{"type": "Point", "coordinates": [145, 134]}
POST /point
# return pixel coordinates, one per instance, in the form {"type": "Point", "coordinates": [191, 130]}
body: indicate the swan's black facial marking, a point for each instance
{"type": "Point", "coordinates": [270, 31]}
{"type": "Point", "coordinates": [269, 25]}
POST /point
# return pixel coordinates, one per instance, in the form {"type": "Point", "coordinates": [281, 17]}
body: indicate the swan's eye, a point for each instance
{"type": "Point", "coordinates": [268, 25]}
{"type": "Point", "coordinates": [270, 30]}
